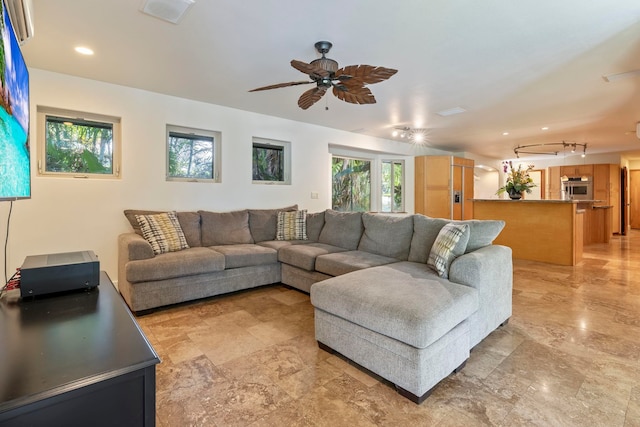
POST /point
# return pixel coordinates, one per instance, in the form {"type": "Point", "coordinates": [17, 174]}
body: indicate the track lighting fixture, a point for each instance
{"type": "Point", "coordinates": [416, 135]}
{"type": "Point", "coordinates": [550, 148]}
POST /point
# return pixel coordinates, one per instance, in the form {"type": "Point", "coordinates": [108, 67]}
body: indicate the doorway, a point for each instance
{"type": "Point", "coordinates": [634, 198]}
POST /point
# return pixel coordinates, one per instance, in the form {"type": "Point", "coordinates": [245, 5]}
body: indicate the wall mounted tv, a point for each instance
{"type": "Point", "coordinates": [15, 165]}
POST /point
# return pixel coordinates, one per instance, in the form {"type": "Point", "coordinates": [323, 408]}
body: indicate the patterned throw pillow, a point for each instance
{"type": "Point", "coordinates": [450, 244]}
{"type": "Point", "coordinates": [292, 225]}
{"type": "Point", "coordinates": [163, 232]}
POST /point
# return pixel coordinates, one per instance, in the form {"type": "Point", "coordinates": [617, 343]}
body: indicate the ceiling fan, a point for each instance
{"type": "Point", "coordinates": [348, 83]}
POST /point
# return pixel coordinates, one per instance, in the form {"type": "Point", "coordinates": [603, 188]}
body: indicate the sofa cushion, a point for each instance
{"type": "Point", "coordinates": [163, 232]}
{"type": "Point", "coordinates": [279, 244]}
{"type": "Point", "coordinates": [315, 222]}
{"type": "Point", "coordinates": [482, 233]}
{"type": "Point", "coordinates": [292, 225]}
{"type": "Point", "coordinates": [339, 263]}
{"type": "Point", "coordinates": [387, 235]}
{"type": "Point", "coordinates": [425, 230]}
{"type": "Point", "coordinates": [402, 300]}
{"type": "Point", "coordinates": [236, 256]}
{"type": "Point", "coordinates": [189, 221]}
{"type": "Point", "coordinates": [342, 229]}
{"type": "Point", "coordinates": [188, 262]}
{"type": "Point", "coordinates": [225, 228]}
{"type": "Point", "coordinates": [262, 222]}
{"type": "Point", "coordinates": [450, 244]}
{"type": "Point", "coordinates": [304, 256]}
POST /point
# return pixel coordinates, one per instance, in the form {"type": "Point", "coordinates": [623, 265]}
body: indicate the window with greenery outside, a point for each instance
{"type": "Point", "coordinates": [351, 184]}
{"type": "Point", "coordinates": [78, 146]}
{"type": "Point", "coordinates": [268, 162]}
{"type": "Point", "coordinates": [392, 177]}
{"type": "Point", "coordinates": [190, 156]}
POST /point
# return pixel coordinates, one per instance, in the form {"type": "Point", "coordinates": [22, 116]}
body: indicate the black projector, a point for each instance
{"type": "Point", "coordinates": [53, 273]}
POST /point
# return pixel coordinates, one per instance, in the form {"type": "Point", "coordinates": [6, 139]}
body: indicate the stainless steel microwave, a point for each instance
{"type": "Point", "coordinates": [580, 188]}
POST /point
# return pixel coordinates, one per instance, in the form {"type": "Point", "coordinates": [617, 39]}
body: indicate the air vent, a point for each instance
{"type": "Point", "coordinates": [451, 111]}
{"type": "Point", "coordinates": [21, 18]}
{"type": "Point", "coordinates": [167, 10]}
{"type": "Point", "coordinates": [613, 77]}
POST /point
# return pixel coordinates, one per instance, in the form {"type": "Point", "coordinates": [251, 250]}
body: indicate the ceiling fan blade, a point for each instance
{"type": "Point", "coordinates": [276, 86]}
{"type": "Point", "coordinates": [355, 95]}
{"type": "Point", "coordinates": [311, 69]}
{"type": "Point", "coordinates": [367, 74]}
{"type": "Point", "coordinates": [311, 96]}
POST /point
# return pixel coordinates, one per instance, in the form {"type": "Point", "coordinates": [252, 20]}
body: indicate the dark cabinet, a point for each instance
{"type": "Point", "coordinates": [75, 359]}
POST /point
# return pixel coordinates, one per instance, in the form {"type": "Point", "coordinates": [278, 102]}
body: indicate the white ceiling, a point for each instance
{"type": "Point", "coordinates": [515, 66]}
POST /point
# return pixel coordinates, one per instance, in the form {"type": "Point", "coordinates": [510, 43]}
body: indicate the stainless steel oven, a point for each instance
{"type": "Point", "coordinates": [578, 188]}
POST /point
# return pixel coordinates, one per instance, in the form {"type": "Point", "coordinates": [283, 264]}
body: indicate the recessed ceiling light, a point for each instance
{"type": "Point", "coordinates": [505, 133]}
{"type": "Point", "coordinates": [84, 50]}
{"type": "Point", "coordinates": [545, 128]}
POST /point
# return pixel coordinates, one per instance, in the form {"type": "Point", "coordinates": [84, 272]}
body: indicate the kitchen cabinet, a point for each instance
{"type": "Point", "coordinates": [444, 187]}
{"type": "Point", "coordinates": [555, 186]}
{"type": "Point", "coordinates": [606, 188]}
{"type": "Point", "coordinates": [577, 170]}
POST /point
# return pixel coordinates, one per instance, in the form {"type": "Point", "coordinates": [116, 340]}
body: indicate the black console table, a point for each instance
{"type": "Point", "coordinates": [75, 359]}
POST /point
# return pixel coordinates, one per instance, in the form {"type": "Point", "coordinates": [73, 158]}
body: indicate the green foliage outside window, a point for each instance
{"type": "Point", "coordinates": [351, 184]}
{"type": "Point", "coordinates": [392, 174]}
{"type": "Point", "coordinates": [268, 163]}
{"type": "Point", "coordinates": [78, 146]}
{"type": "Point", "coordinates": [190, 156]}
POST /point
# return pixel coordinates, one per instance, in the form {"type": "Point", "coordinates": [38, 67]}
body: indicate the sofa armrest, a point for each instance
{"type": "Point", "coordinates": [490, 271]}
{"type": "Point", "coordinates": [132, 246]}
{"type": "Point", "coordinates": [491, 262]}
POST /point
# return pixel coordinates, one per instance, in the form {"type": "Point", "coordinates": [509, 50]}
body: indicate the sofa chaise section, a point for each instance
{"type": "Point", "coordinates": [399, 321]}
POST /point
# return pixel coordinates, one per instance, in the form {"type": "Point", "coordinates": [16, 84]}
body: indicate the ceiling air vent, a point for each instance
{"type": "Point", "coordinates": [20, 13]}
{"type": "Point", "coordinates": [167, 10]}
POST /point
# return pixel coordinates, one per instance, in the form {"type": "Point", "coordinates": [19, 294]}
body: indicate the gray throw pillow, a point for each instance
{"type": "Point", "coordinates": [225, 228]}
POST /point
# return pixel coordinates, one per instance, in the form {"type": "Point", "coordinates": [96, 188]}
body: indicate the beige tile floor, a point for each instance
{"type": "Point", "coordinates": [570, 356]}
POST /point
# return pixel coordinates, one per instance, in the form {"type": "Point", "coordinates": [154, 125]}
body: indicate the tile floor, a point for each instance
{"type": "Point", "coordinates": [570, 356]}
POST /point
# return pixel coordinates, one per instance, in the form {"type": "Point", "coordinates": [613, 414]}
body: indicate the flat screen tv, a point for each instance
{"type": "Point", "coordinates": [15, 165]}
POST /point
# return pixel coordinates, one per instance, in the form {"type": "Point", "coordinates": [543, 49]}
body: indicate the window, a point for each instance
{"type": "Point", "coordinates": [192, 154]}
{"type": "Point", "coordinates": [351, 184]}
{"type": "Point", "coordinates": [271, 161]}
{"type": "Point", "coordinates": [392, 180]}
{"type": "Point", "coordinates": [78, 144]}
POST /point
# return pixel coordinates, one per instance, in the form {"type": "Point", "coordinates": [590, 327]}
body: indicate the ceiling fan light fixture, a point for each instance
{"type": "Point", "coordinates": [349, 85]}
{"type": "Point", "coordinates": [326, 64]}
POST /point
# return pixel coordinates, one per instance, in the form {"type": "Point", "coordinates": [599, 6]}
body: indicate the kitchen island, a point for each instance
{"type": "Point", "coordinates": [539, 230]}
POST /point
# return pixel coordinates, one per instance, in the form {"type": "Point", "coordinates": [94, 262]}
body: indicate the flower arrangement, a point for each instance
{"type": "Point", "coordinates": [518, 180]}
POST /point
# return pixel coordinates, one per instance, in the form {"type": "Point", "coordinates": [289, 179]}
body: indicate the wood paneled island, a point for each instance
{"type": "Point", "coordinates": [539, 230]}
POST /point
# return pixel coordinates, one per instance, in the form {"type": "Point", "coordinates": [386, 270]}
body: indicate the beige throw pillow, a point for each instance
{"type": "Point", "coordinates": [450, 244]}
{"type": "Point", "coordinates": [163, 232]}
{"type": "Point", "coordinates": [292, 225]}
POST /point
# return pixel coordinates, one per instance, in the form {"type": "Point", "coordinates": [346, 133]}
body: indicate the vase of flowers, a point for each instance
{"type": "Point", "coordinates": [518, 180]}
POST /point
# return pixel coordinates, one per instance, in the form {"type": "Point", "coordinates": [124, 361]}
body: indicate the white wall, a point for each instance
{"type": "Point", "coordinates": [66, 214]}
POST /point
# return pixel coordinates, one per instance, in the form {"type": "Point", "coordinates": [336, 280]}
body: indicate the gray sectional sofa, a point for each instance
{"type": "Point", "coordinates": [377, 299]}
